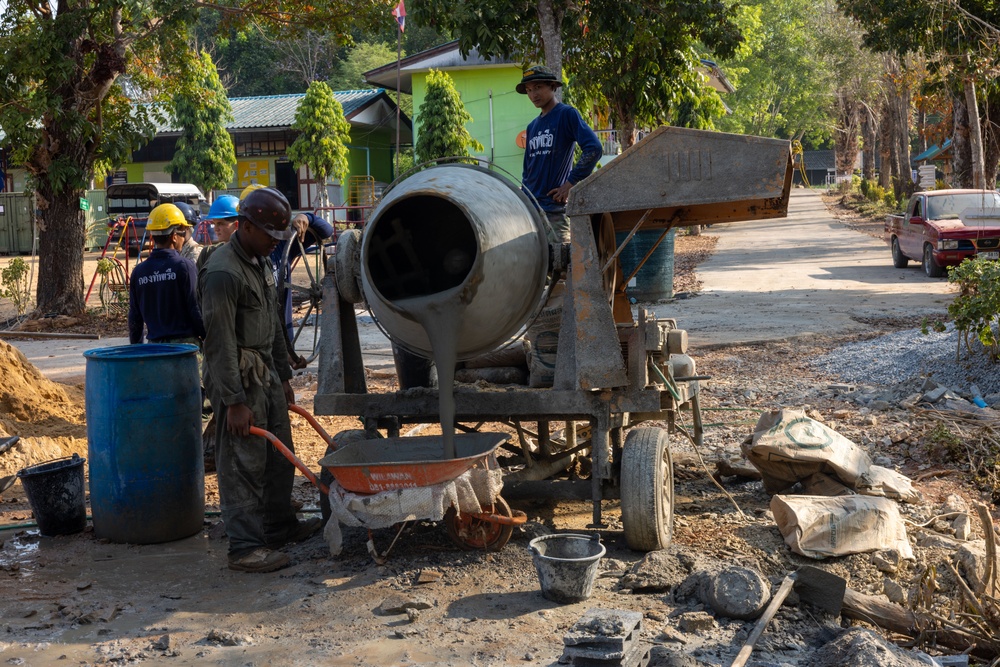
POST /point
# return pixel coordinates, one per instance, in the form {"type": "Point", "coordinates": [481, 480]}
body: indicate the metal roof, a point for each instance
{"type": "Point", "coordinates": [278, 111]}
{"type": "Point", "coordinates": [934, 152]}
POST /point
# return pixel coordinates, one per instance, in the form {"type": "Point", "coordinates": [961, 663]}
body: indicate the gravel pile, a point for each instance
{"type": "Point", "coordinates": [903, 356]}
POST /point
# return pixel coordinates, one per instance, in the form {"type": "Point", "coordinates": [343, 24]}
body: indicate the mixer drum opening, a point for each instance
{"type": "Point", "coordinates": [420, 246]}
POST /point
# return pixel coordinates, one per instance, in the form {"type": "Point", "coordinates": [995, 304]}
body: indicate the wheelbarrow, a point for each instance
{"type": "Point", "coordinates": [374, 466]}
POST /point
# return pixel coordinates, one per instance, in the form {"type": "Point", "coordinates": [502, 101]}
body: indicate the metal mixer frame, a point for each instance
{"type": "Point", "coordinates": [673, 178]}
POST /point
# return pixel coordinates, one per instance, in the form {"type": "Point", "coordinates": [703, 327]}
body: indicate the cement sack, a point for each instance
{"type": "Point", "coordinates": [469, 493]}
{"type": "Point", "coordinates": [541, 340]}
{"type": "Point", "coordinates": [820, 527]}
{"type": "Point", "coordinates": [788, 447]}
{"type": "Point", "coordinates": [879, 481]}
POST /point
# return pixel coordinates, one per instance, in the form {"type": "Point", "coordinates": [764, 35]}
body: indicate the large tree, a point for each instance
{"type": "Point", "coordinates": [67, 67]}
{"type": "Point", "coordinates": [205, 155]}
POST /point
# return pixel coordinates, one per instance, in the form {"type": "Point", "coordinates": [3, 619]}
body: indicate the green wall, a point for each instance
{"type": "Point", "coordinates": [511, 111]}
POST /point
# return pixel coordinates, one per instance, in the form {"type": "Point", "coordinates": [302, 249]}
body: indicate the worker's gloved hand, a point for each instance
{"type": "Point", "coordinates": [239, 419]}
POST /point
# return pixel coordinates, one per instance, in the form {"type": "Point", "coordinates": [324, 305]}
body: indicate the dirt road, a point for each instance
{"type": "Point", "coordinates": [84, 601]}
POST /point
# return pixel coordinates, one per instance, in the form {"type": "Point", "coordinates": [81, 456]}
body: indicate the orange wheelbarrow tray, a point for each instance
{"type": "Point", "coordinates": [365, 467]}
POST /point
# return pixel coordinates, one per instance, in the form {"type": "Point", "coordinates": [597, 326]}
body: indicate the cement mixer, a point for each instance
{"type": "Point", "coordinates": [454, 263]}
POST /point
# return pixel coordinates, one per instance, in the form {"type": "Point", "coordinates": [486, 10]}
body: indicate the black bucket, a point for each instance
{"type": "Point", "coordinates": [56, 493]}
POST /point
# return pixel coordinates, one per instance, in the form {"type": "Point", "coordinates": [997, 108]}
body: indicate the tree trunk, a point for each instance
{"type": "Point", "coordinates": [885, 148]}
{"type": "Point", "coordinates": [975, 134]}
{"type": "Point", "coordinates": [991, 142]}
{"type": "Point", "coordinates": [845, 142]}
{"type": "Point", "coordinates": [898, 94]}
{"type": "Point", "coordinates": [550, 16]}
{"type": "Point", "coordinates": [867, 143]}
{"type": "Point", "coordinates": [961, 160]}
{"type": "Point", "coordinates": [61, 236]}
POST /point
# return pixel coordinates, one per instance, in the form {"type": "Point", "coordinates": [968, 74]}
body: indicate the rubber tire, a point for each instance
{"type": "Point", "coordinates": [325, 476]}
{"type": "Point", "coordinates": [931, 268]}
{"type": "Point", "coordinates": [899, 260]}
{"type": "Point", "coordinates": [647, 489]}
{"type": "Point", "coordinates": [495, 541]}
{"type": "Point", "coordinates": [347, 266]}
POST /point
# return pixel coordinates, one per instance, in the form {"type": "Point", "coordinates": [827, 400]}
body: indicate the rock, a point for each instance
{"type": "Point", "coordinates": [954, 503]}
{"type": "Point", "coordinates": [879, 405]}
{"type": "Point", "coordinates": [859, 647]}
{"type": "Point", "coordinates": [736, 592]}
{"type": "Point", "coordinates": [161, 644]}
{"type": "Point", "coordinates": [883, 461]}
{"type": "Point", "coordinates": [226, 638]}
{"type": "Point", "coordinates": [935, 394]}
{"type": "Point", "coordinates": [412, 615]}
{"type": "Point", "coordinates": [660, 656]}
{"type": "Point", "coordinates": [962, 526]}
{"type": "Point", "coordinates": [893, 591]}
{"type": "Point", "coordinates": [428, 576]}
{"type": "Point", "coordinates": [398, 604]}
{"type": "Point", "coordinates": [910, 401]}
{"type": "Point", "coordinates": [971, 562]}
{"type": "Point", "coordinates": [884, 564]}
{"type": "Point", "coordinates": [694, 622]}
{"type": "Point", "coordinates": [935, 541]}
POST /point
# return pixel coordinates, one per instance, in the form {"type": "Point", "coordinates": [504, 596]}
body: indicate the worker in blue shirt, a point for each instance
{"type": "Point", "coordinates": [549, 172]}
{"type": "Point", "coordinates": [163, 288]}
{"type": "Point", "coordinates": [311, 230]}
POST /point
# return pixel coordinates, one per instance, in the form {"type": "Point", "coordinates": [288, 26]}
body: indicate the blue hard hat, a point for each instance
{"type": "Point", "coordinates": [224, 207]}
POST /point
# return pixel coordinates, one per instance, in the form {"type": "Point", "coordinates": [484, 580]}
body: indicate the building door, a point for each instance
{"type": "Point", "coordinates": [287, 182]}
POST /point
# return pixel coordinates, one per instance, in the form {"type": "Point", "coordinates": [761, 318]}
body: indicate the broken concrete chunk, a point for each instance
{"type": "Point", "coordinates": [935, 541]}
{"type": "Point", "coordinates": [695, 622]}
{"type": "Point", "coordinates": [737, 592]}
{"type": "Point", "coordinates": [161, 644]}
{"type": "Point", "coordinates": [858, 646]}
{"type": "Point", "coordinates": [935, 394]}
{"type": "Point", "coordinates": [226, 638]}
{"type": "Point", "coordinates": [605, 637]}
{"type": "Point", "coordinates": [954, 503]}
{"type": "Point", "coordinates": [883, 564]}
{"type": "Point", "coordinates": [971, 562]}
{"type": "Point", "coordinates": [428, 576]}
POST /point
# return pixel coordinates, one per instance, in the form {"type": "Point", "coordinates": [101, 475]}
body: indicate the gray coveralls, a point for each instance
{"type": "Point", "coordinates": [246, 362]}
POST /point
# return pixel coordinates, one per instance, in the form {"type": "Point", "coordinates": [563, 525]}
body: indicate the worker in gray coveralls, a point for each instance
{"type": "Point", "coordinates": [247, 378]}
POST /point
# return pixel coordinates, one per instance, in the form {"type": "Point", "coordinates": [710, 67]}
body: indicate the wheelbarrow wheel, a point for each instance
{"type": "Point", "coordinates": [475, 534]}
{"type": "Point", "coordinates": [325, 476]}
{"type": "Point", "coordinates": [647, 489]}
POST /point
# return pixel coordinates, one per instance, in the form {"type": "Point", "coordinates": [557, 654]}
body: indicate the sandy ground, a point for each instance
{"type": "Point", "coordinates": [87, 601]}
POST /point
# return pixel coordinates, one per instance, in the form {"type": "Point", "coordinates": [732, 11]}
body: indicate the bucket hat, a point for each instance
{"type": "Point", "coordinates": [537, 73]}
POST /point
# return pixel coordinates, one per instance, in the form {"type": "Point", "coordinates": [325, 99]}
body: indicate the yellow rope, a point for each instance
{"type": "Point", "coordinates": [797, 150]}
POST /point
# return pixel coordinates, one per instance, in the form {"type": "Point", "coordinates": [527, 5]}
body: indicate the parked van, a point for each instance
{"type": "Point", "coordinates": [129, 204]}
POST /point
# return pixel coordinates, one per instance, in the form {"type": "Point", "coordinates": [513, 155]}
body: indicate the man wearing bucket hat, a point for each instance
{"type": "Point", "coordinates": [247, 378]}
{"type": "Point", "coordinates": [162, 298]}
{"type": "Point", "coordinates": [549, 172]}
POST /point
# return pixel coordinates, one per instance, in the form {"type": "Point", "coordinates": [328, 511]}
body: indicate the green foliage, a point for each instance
{"type": "Point", "coordinates": [324, 135]}
{"type": "Point", "coordinates": [942, 444]}
{"type": "Point", "coordinates": [875, 193]}
{"type": "Point", "coordinates": [205, 155]}
{"type": "Point", "coordinates": [443, 117]}
{"type": "Point", "coordinates": [976, 309]}
{"type": "Point", "coordinates": [15, 284]}
{"type": "Point", "coordinates": [361, 58]}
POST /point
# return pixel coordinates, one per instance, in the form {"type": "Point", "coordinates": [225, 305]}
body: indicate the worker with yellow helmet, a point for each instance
{"type": "Point", "coordinates": [162, 290]}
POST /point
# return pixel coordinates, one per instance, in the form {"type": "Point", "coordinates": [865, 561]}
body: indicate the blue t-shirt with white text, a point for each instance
{"type": "Point", "coordinates": [548, 153]}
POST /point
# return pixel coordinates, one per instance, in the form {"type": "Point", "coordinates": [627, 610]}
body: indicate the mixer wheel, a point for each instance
{"type": "Point", "coordinates": [647, 489]}
{"type": "Point", "coordinates": [472, 534]}
{"type": "Point", "coordinates": [347, 266]}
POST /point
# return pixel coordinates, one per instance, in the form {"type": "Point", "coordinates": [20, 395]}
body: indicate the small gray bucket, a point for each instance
{"type": "Point", "coordinates": [566, 565]}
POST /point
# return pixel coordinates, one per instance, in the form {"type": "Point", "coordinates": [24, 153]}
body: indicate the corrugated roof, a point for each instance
{"type": "Point", "coordinates": [275, 111]}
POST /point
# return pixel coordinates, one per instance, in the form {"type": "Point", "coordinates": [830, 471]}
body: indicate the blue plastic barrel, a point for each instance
{"type": "Point", "coordinates": [147, 473]}
{"type": "Point", "coordinates": [655, 279]}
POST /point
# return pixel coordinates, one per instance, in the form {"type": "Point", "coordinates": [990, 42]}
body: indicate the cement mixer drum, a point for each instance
{"type": "Point", "coordinates": [455, 230]}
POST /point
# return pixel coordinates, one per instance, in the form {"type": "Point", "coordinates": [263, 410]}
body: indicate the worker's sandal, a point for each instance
{"type": "Point", "coordinates": [260, 559]}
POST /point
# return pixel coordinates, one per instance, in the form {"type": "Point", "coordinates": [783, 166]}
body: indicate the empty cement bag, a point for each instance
{"type": "Point", "coordinates": [820, 527]}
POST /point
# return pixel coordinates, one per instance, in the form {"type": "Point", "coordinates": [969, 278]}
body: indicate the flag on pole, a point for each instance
{"type": "Point", "coordinates": [400, 13]}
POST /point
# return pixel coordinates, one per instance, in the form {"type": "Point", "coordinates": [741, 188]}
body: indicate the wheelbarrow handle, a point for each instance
{"type": "Point", "coordinates": [288, 454]}
{"type": "Point", "coordinates": [302, 412]}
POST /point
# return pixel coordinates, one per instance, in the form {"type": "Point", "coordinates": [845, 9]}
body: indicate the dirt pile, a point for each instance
{"type": "Point", "coordinates": [49, 417]}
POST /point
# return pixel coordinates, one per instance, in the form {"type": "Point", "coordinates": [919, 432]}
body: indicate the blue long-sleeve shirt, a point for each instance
{"type": "Point", "coordinates": [548, 155]}
{"type": "Point", "coordinates": [319, 229]}
{"type": "Point", "coordinates": [162, 297]}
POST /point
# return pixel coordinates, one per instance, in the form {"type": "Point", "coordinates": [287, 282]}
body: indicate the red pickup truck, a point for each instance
{"type": "Point", "coordinates": [943, 227]}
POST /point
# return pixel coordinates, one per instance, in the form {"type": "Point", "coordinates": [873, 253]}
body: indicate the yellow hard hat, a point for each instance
{"type": "Point", "coordinates": [250, 188]}
{"type": "Point", "coordinates": [164, 218]}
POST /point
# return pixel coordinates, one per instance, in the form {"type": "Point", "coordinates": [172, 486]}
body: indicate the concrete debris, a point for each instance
{"type": "Point", "coordinates": [935, 541]}
{"type": "Point", "coordinates": [606, 637]}
{"type": "Point", "coordinates": [660, 656]}
{"type": "Point", "coordinates": [972, 563]}
{"type": "Point", "coordinates": [658, 571]}
{"type": "Point", "coordinates": [428, 576]}
{"type": "Point", "coordinates": [736, 592]}
{"type": "Point", "coordinates": [226, 638]}
{"type": "Point", "coordinates": [962, 525]}
{"type": "Point", "coordinates": [695, 622]}
{"type": "Point", "coordinates": [161, 644]}
{"type": "Point", "coordinates": [886, 561]}
{"type": "Point", "coordinates": [860, 647]}
{"type": "Point", "coordinates": [399, 604]}
{"type": "Point", "coordinates": [893, 591]}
